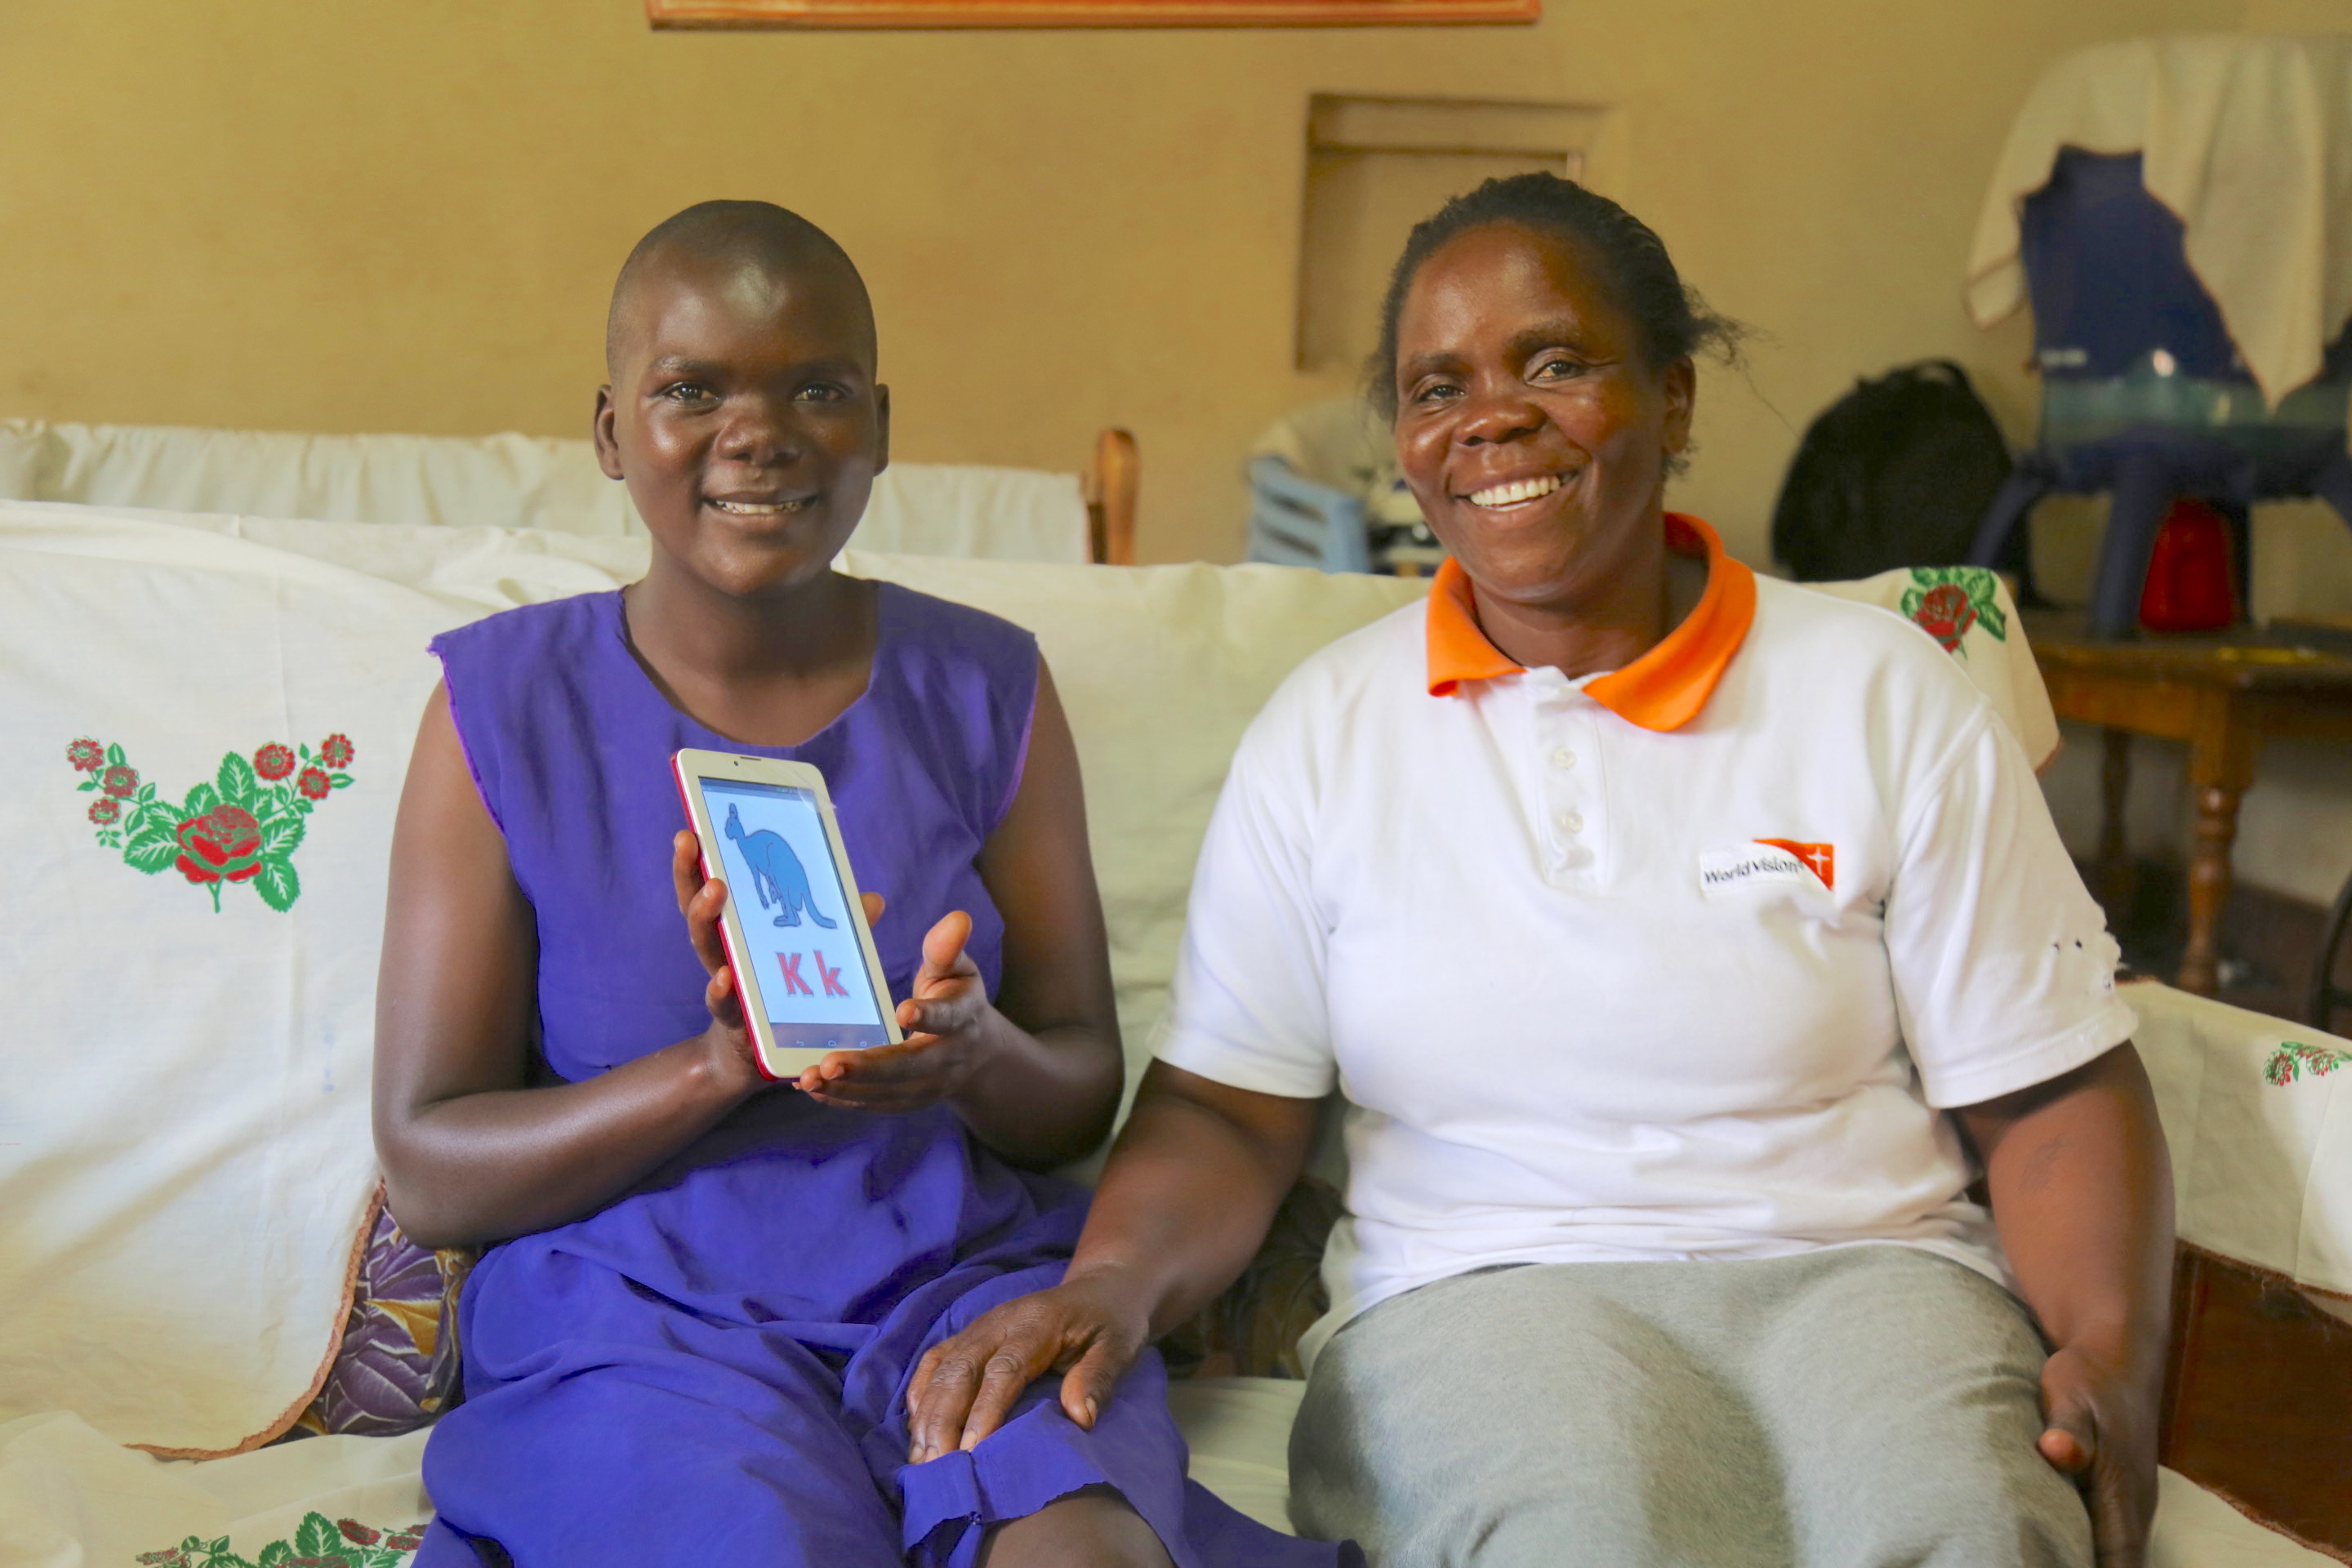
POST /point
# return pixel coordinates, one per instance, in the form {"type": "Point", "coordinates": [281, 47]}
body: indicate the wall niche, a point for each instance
{"type": "Point", "coordinates": [1376, 167]}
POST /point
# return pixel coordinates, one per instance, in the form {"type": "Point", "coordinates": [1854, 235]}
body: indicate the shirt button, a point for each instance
{"type": "Point", "coordinates": [1569, 821]}
{"type": "Point", "coordinates": [1561, 757]}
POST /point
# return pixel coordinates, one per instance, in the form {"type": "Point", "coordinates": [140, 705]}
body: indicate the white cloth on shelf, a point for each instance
{"type": "Point", "coordinates": [503, 481]}
{"type": "Point", "coordinates": [2247, 139]}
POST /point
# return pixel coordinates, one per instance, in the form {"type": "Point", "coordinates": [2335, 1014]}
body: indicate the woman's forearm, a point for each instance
{"type": "Point", "coordinates": [480, 1167]}
{"type": "Point", "coordinates": [1190, 1191]}
{"type": "Point", "coordinates": [2082, 1194]}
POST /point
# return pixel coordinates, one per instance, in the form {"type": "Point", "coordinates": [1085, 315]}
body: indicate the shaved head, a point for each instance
{"type": "Point", "coordinates": [756, 244]}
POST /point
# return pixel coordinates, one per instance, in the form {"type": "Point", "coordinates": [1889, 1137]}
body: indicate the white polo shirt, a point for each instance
{"type": "Point", "coordinates": [1684, 961]}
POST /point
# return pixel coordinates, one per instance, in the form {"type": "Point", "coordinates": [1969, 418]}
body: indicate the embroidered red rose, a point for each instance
{"type": "Point", "coordinates": [354, 1530]}
{"type": "Point", "coordinates": [1945, 613]}
{"type": "Point", "coordinates": [242, 825]}
{"type": "Point", "coordinates": [405, 1541]}
{"type": "Point", "coordinates": [223, 846]}
{"type": "Point", "coordinates": [337, 751]}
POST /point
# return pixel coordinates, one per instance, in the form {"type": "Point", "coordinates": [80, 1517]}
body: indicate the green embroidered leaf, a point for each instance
{"type": "Point", "coordinates": [202, 801]}
{"type": "Point", "coordinates": [280, 835]}
{"type": "Point", "coordinates": [151, 852]}
{"type": "Point", "coordinates": [114, 757]}
{"type": "Point", "coordinates": [340, 781]}
{"type": "Point", "coordinates": [274, 1553]}
{"type": "Point", "coordinates": [218, 1545]}
{"type": "Point", "coordinates": [87, 786]}
{"type": "Point", "coordinates": [235, 781]}
{"type": "Point", "coordinates": [1989, 616]}
{"type": "Point", "coordinates": [156, 816]}
{"type": "Point", "coordinates": [317, 1537]}
{"type": "Point", "coordinates": [278, 888]}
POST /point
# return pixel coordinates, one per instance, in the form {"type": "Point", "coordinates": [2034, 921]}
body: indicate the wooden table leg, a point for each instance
{"type": "Point", "coordinates": [2114, 851]}
{"type": "Point", "coordinates": [2220, 766]}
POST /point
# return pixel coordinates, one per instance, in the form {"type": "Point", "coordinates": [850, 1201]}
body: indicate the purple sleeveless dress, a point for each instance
{"type": "Point", "coordinates": [712, 1369]}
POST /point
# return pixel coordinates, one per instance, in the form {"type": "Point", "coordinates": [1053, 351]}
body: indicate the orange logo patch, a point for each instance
{"type": "Point", "coordinates": [1820, 859]}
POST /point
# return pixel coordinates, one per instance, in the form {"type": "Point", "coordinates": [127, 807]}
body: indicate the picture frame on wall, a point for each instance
{"type": "Point", "coordinates": [935, 13]}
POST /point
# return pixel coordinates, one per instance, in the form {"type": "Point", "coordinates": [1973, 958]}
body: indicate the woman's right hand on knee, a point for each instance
{"type": "Point", "coordinates": [1091, 1330]}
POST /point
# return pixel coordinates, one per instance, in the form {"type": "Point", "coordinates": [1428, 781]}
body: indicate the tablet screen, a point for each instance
{"type": "Point", "coordinates": [802, 939]}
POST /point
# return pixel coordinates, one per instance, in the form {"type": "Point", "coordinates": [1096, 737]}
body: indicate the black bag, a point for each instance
{"type": "Point", "coordinates": [1898, 472]}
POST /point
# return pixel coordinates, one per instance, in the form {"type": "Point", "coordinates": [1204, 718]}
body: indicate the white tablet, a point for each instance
{"type": "Point", "coordinates": [795, 931]}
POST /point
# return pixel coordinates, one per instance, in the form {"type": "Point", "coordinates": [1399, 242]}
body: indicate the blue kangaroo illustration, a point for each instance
{"type": "Point", "coordinates": [777, 874]}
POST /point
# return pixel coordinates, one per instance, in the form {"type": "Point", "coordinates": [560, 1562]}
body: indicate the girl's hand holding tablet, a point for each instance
{"type": "Point", "coordinates": [951, 1030]}
{"type": "Point", "coordinates": [699, 899]}
{"type": "Point", "coordinates": [947, 1019]}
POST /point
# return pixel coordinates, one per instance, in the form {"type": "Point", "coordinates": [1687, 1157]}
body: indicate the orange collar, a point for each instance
{"type": "Point", "coordinates": [1663, 689]}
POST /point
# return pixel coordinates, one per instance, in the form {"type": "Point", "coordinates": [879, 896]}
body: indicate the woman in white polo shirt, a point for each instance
{"type": "Point", "coordinates": [1686, 947]}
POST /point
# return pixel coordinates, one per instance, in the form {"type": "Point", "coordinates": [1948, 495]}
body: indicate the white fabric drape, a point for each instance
{"type": "Point", "coordinates": [2247, 139]}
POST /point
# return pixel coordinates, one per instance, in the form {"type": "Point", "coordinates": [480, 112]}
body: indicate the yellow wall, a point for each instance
{"type": "Point", "coordinates": [323, 214]}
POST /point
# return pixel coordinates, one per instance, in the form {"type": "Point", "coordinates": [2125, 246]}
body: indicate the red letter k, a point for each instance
{"type": "Point", "coordinates": [830, 978]}
{"type": "Point", "coordinates": [794, 984]}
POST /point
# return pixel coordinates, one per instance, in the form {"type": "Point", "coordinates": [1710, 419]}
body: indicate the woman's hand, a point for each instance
{"type": "Point", "coordinates": [2100, 1400]}
{"type": "Point", "coordinates": [951, 1031]}
{"type": "Point", "coordinates": [2082, 1193]}
{"type": "Point", "coordinates": [1090, 1329]}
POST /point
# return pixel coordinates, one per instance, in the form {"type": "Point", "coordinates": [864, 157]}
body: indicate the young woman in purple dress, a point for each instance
{"type": "Point", "coordinates": [689, 1339]}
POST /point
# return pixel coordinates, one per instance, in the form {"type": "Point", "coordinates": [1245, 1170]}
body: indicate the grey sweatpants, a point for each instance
{"type": "Point", "coordinates": [1862, 1408]}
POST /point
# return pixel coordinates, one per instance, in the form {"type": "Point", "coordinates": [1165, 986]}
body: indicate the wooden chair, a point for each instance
{"type": "Point", "coordinates": [1111, 483]}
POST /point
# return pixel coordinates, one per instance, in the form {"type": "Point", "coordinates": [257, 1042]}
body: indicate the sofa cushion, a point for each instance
{"type": "Point", "coordinates": [396, 1365]}
{"type": "Point", "coordinates": [509, 481]}
{"type": "Point", "coordinates": [190, 963]}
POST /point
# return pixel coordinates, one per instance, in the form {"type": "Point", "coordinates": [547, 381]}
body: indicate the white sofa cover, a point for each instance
{"type": "Point", "coordinates": [184, 1148]}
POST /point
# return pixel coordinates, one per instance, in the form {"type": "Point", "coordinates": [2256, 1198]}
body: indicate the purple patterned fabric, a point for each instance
{"type": "Point", "coordinates": [397, 1368]}
{"type": "Point", "coordinates": [712, 1368]}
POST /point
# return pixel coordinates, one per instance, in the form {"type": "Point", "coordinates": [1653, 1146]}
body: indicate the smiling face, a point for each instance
{"type": "Point", "coordinates": [1531, 425]}
{"type": "Point", "coordinates": [744, 414]}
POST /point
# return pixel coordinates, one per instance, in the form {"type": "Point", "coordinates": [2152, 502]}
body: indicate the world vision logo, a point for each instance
{"type": "Point", "coordinates": [1765, 860]}
{"type": "Point", "coordinates": [1820, 859]}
